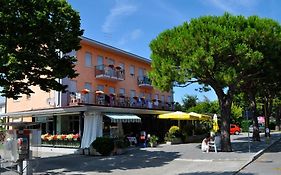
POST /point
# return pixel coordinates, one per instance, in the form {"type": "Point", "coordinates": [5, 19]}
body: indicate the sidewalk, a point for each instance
{"type": "Point", "coordinates": [181, 159]}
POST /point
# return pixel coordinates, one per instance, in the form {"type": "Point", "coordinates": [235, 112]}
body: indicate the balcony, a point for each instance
{"type": "Point", "coordinates": [109, 72]}
{"type": "Point", "coordinates": [145, 82]}
{"type": "Point", "coordinates": [120, 101]}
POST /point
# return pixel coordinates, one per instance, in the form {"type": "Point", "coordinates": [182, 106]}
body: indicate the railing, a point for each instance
{"type": "Point", "coordinates": [120, 100]}
{"type": "Point", "coordinates": [109, 72]}
{"type": "Point", "coordinates": [144, 81]}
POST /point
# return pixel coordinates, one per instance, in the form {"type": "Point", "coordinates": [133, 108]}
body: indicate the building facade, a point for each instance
{"type": "Point", "coordinates": [112, 88]}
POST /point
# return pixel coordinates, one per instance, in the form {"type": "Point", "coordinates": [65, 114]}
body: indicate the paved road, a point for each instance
{"type": "Point", "coordinates": [182, 159]}
{"type": "Point", "coordinates": [269, 163]}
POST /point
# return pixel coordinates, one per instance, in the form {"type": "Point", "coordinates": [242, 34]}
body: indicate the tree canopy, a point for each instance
{"type": "Point", "coordinates": [223, 52]}
{"type": "Point", "coordinates": [35, 37]}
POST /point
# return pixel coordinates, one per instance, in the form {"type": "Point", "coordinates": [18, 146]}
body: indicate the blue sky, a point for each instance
{"type": "Point", "coordinates": [131, 24]}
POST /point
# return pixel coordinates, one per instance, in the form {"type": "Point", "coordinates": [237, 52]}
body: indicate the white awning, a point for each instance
{"type": "Point", "coordinates": [46, 112]}
{"type": "Point", "coordinates": [124, 118]}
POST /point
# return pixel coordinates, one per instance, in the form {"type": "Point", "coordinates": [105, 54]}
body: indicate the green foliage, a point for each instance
{"type": "Point", "coordinates": [245, 125]}
{"type": "Point", "coordinates": [173, 133]}
{"type": "Point", "coordinates": [121, 143]}
{"type": "Point", "coordinates": [236, 114]}
{"type": "Point", "coordinates": [272, 125]}
{"type": "Point", "coordinates": [189, 101]}
{"type": "Point", "coordinates": [35, 37]}
{"type": "Point", "coordinates": [225, 52]}
{"type": "Point", "coordinates": [153, 139]}
{"type": "Point", "coordinates": [174, 129]}
{"type": "Point", "coordinates": [206, 107]}
{"type": "Point", "coordinates": [103, 145]}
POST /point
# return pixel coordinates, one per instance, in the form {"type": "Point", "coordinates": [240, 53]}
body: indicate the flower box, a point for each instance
{"type": "Point", "coordinates": [69, 140]}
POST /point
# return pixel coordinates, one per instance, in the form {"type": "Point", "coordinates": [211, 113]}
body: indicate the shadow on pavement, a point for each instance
{"type": "Point", "coordinates": [133, 159]}
{"type": "Point", "coordinates": [217, 173]}
{"type": "Point", "coordinates": [275, 148]}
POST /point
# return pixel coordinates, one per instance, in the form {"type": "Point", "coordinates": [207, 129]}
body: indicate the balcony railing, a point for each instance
{"type": "Point", "coordinates": [109, 72]}
{"type": "Point", "coordinates": [144, 81]}
{"type": "Point", "coordinates": [119, 100]}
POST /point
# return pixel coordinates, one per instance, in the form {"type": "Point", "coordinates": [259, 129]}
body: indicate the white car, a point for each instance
{"type": "Point", "coordinates": [261, 128]}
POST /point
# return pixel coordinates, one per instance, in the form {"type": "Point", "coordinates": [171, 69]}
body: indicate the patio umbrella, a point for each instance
{"type": "Point", "coordinates": [178, 115]}
{"type": "Point", "coordinates": [200, 116]}
{"type": "Point", "coordinates": [99, 92]}
{"type": "Point", "coordinates": [215, 123]}
{"type": "Point", "coordinates": [85, 91]}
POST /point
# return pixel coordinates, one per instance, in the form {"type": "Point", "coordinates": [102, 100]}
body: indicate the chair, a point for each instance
{"type": "Point", "coordinates": [215, 144]}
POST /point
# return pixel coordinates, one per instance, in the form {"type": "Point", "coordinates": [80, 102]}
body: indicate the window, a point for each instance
{"type": "Point", "coordinates": [162, 98]}
{"type": "Point", "coordinates": [156, 96]}
{"type": "Point", "coordinates": [132, 70]}
{"type": "Point", "coordinates": [88, 97]}
{"type": "Point", "coordinates": [132, 93]}
{"type": "Point", "coordinates": [169, 99]}
{"type": "Point", "coordinates": [74, 124]}
{"type": "Point", "coordinates": [72, 87]}
{"type": "Point", "coordinates": [110, 61]}
{"type": "Point", "coordinates": [88, 59]}
{"type": "Point", "coordinates": [122, 91]}
{"type": "Point", "coordinates": [100, 60]}
{"type": "Point", "coordinates": [141, 72]}
{"type": "Point", "coordinates": [100, 87]}
{"type": "Point", "coordinates": [111, 90]}
{"type": "Point", "coordinates": [100, 63]}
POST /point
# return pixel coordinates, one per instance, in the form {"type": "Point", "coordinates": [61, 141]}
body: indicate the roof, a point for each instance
{"type": "Point", "coordinates": [91, 41]}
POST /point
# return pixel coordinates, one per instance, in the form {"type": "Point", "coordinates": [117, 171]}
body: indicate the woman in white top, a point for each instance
{"type": "Point", "coordinates": [205, 144]}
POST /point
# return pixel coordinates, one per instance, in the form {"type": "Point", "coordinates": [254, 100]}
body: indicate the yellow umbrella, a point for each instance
{"type": "Point", "coordinates": [215, 123]}
{"type": "Point", "coordinates": [200, 116]}
{"type": "Point", "coordinates": [178, 115]}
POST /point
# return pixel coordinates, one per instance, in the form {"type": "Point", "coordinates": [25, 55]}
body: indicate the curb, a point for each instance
{"type": "Point", "coordinates": [257, 155]}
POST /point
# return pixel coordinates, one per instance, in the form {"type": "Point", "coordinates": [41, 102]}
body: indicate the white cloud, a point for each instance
{"type": "Point", "coordinates": [120, 9]}
{"type": "Point", "coordinates": [134, 35]}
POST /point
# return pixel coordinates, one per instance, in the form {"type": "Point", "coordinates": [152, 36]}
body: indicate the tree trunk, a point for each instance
{"type": "Point", "coordinates": [225, 104]}
{"type": "Point", "coordinates": [253, 109]}
{"type": "Point", "coordinates": [266, 110]}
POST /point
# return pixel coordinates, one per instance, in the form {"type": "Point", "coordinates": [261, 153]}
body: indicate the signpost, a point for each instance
{"type": "Point", "coordinates": [247, 114]}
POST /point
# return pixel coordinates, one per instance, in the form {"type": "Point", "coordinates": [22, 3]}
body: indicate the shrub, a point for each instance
{"type": "Point", "coordinates": [103, 145]}
{"type": "Point", "coordinates": [121, 143]}
{"type": "Point", "coordinates": [174, 129]}
{"type": "Point", "coordinates": [153, 139]}
{"type": "Point", "coordinates": [174, 132]}
{"type": "Point", "coordinates": [272, 125]}
{"type": "Point", "coordinates": [245, 125]}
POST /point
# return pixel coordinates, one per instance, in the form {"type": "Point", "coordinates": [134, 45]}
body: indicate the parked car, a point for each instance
{"type": "Point", "coordinates": [261, 128]}
{"type": "Point", "coordinates": [234, 129]}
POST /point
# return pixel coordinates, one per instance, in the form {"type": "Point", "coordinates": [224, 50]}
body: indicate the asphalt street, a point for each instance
{"type": "Point", "coordinates": [268, 163]}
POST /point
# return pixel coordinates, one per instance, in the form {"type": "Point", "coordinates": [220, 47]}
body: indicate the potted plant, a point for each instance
{"type": "Point", "coordinates": [103, 145]}
{"type": "Point", "coordinates": [120, 145]}
{"type": "Point", "coordinates": [173, 136]}
{"type": "Point", "coordinates": [153, 141]}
